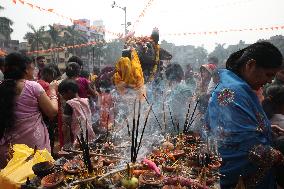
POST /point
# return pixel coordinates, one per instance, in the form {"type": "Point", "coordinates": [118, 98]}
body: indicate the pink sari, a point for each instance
{"type": "Point", "coordinates": [81, 112]}
{"type": "Point", "coordinates": [29, 127]}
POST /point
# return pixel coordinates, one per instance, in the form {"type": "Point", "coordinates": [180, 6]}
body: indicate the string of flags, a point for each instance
{"type": "Point", "coordinates": [74, 21]}
{"type": "Point", "coordinates": [216, 32]}
{"type": "Point", "coordinates": [142, 14]}
{"type": "Point", "coordinates": [63, 48]}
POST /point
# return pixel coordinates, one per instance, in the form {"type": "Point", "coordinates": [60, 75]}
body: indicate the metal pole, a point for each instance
{"type": "Point", "coordinates": [125, 30]}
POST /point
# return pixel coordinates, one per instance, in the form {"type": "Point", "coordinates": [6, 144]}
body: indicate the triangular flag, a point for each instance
{"type": "Point", "coordinates": [14, 1]}
{"type": "Point", "coordinates": [50, 10]}
{"type": "Point", "coordinates": [38, 8]}
{"type": "Point", "coordinates": [31, 5]}
{"type": "Point", "coordinates": [23, 2]}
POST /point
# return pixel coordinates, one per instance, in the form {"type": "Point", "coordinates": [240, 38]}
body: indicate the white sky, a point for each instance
{"type": "Point", "coordinates": [169, 16]}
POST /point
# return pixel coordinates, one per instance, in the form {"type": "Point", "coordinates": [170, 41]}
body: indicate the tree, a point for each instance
{"type": "Point", "coordinates": [113, 51]}
{"type": "Point", "coordinates": [278, 41]}
{"type": "Point", "coordinates": [74, 37]}
{"type": "Point", "coordinates": [37, 38]}
{"type": "Point", "coordinates": [220, 52]}
{"type": "Point", "coordinates": [200, 55]}
{"type": "Point", "coordinates": [5, 26]}
{"type": "Point", "coordinates": [55, 41]}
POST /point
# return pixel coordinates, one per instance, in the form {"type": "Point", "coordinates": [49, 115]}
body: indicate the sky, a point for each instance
{"type": "Point", "coordinates": [178, 16]}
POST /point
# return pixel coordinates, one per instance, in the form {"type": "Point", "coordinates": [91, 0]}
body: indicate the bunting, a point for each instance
{"type": "Point", "coordinates": [216, 32]}
{"type": "Point", "coordinates": [51, 10]}
{"type": "Point", "coordinates": [63, 48]}
{"type": "Point", "coordinates": [142, 14]}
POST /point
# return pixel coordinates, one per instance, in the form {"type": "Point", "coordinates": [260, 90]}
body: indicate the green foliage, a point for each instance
{"type": "Point", "coordinates": [5, 26]}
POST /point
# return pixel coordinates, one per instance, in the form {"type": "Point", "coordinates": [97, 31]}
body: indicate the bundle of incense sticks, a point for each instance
{"type": "Point", "coordinates": [153, 112]}
{"type": "Point", "coordinates": [135, 146]}
{"type": "Point", "coordinates": [189, 121]}
{"type": "Point", "coordinates": [84, 145]}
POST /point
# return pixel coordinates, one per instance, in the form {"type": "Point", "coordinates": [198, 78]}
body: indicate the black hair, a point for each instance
{"type": "Point", "coordinates": [85, 74]}
{"type": "Point", "coordinates": [104, 79]}
{"type": "Point", "coordinates": [76, 59]}
{"type": "Point", "coordinates": [174, 72]}
{"type": "Point", "coordinates": [72, 69]}
{"type": "Point", "coordinates": [39, 58]}
{"type": "Point", "coordinates": [264, 53]}
{"type": "Point", "coordinates": [274, 98]}
{"type": "Point", "coordinates": [68, 85]}
{"type": "Point", "coordinates": [50, 70]}
{"type": "Point", "coordinates": [213, 60]}
{"type": "Point", "coordinates": [96, 70]}
{"type": "Point", "coordinates": [15, 69]}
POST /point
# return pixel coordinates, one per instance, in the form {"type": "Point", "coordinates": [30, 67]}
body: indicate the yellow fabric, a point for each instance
{"type": "Point", "coordinates": [18, 169]}
{"type": "Point", "coordinates": [93, 78]}
{"type": "Point", "coordinates": [128, 73]}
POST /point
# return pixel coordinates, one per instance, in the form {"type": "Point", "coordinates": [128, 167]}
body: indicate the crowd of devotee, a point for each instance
{"type": "Point", "coordinates": [236, 110]}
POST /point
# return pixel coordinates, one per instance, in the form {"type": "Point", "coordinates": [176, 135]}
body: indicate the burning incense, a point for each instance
{"type": "Point", "coordinates": [186, 118]}
{"type": "Point", "coordinates": [133, 137]}
{"type": "Point", "coordinates": [173, 123]}
{"type": "Point", "coordinates": [107, 128]}
{"type": "Point", "coordinates": [191, 117]}
{"type": "Point", "coordinates": [164, 115]}
{"type": "Point", "coordinates": [128, 129]}
{"type": "Point", "coordinates": [137, 129]}
{"type": "Point", "coordinates": [144, 126]}
{"type": "Point", "coordinates": [153, 112]}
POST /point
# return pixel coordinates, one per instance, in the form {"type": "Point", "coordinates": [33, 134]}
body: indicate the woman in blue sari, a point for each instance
{"type": "Point", "coordinates": [236, 118]}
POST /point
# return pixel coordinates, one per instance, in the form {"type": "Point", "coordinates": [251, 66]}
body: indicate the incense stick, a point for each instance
{"type": "Point", "coordinates": [191, 117]}
{"type": "Point", "coordinates": [107, 127]}
{"type": "Point", "coordinates": [164, 115]}
{"type": "Point", "coordinates": [153, 112]}
{"type": "Point", "coordinates": [144, 126]}
{"type": "Point", "coordinates": [186, 118]}
{"type": "Point", "coordinates": [133, 129]}
{"type": "Point", "coordinates": [171, 117]}
{"type": "Point", "coordinates": [128, 129]}
{"type": "Point", "coordinates": [137, 130]}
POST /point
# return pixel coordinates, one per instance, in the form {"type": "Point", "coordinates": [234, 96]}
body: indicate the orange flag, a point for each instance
{"type": "Point", "coordinates": [23, 2]}
{"type": "Point", "coordinates": [31, 5]}
{"type": "Point", "coordinates": [50, 10]}
{"type": "Point", "coordinates": [38, 8]}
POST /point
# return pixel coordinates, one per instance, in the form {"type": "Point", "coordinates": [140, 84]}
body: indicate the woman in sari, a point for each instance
{"type": "Point", "coordinates": [21, 105]}
{"type": "Point", "coordinates": [238, 121]}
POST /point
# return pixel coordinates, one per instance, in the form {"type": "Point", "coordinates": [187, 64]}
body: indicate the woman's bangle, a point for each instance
{"type": "Point", "coordinates": [53, 97]}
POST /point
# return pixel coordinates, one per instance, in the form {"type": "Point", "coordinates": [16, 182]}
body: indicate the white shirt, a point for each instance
{"type": "Point", "coordinates": [278, 119]}
{"type": "Point", "coordinates": [1, 76]}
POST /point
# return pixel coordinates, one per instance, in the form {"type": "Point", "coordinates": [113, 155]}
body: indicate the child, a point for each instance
{"type": "Point", "coordinates": [85, 89]}
{"type": "Point", "coordinates": [49, 73]}
{"type": "Point", "coordinates": [76, 110]}
{"type": "Point", "coordinates": [273, 105]}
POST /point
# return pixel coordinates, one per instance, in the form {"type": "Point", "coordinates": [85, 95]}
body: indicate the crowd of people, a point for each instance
{"type": "Point", "coordinates": [241, 105]}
